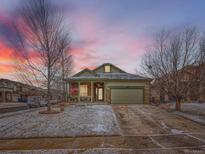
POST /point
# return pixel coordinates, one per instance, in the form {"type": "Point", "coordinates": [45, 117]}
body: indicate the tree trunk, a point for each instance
{"type": "Point", "coordinates": [64, 91]}
{"type": "Point", "coordinates": [48, 91]}
{"type": "Point", "coordinates": [178, 105]}
{"type": "Point", "coordinates": [201, 87]}
{"type": "Point", "coordinates": [49, 106]}
{"type": "Point", "coordinates": [63, 78]}
{"type": "Point", "coordinates": [49, 103]}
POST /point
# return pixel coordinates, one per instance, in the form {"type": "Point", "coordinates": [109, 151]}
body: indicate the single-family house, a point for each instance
{"type": "Point", "coordinates": [108, 83]}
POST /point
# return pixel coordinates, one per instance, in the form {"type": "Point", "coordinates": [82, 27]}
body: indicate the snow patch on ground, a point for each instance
{"type": "Point", "coordinates": [196, 118]}
{"type": "Point", "coordinates": [173, 130]}
{"type": "Point", "coordinates": [99, 128]}
{"type": "Point", "coordinates": [176, 131]}
{"type": "Point", "coordinates": [164, 126]}
{"type": "Point", "coordinates": [193, 108]}
{"type": "Point", "coordinates": [74, 121]}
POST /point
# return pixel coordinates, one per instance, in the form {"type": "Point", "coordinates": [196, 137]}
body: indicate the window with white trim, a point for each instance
{"type": "Point", "coordinates": [84, 90]}
{"type": "Point", "coordinates": [107, 68]}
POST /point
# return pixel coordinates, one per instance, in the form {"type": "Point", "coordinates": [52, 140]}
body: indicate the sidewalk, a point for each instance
{"type": "Point", "coordinates": [105, 144]}
{"type": "Point", "coordinates": [195, 118]}
{"type": "Point", "coordinates": [12, 107]}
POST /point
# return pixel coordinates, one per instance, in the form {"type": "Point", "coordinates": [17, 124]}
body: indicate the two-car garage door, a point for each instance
{"type": "Point", "coordinates": [126, 96]}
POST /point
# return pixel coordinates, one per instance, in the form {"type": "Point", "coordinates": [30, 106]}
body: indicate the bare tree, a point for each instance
{"type": "Point", "coordinates": [201, 64]}
{"type": "Point", "coordinates": [40, 32]}
{"type": "Point", "coordinates": [65, 65]}
{"type": "Point", "coordinates": [168, 60]}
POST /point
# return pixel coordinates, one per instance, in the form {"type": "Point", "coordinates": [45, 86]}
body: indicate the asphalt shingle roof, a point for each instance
{"type": "Point", "coordinates": [94, 74]}
{"type": "Point", "coordinates": [114, 76]}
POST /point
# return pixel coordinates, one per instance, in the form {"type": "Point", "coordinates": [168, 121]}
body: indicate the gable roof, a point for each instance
{"type": "Point", "coordinates": [122, 75]}
{"type": "Point", "coordinates": [84, 70]}
{"type": "Point", "coordinates": [110, 65]}
{"type": "Point", "coordinates": [110, 76]}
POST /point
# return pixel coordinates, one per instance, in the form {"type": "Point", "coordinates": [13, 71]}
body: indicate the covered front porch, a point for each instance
{"type": "Point", "coordinates": [87, 91]}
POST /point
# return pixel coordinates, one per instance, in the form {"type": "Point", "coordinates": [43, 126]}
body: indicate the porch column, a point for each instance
{"type": "Point", "coordinates": [66, 87]}
{"type": "Point", "coordinates": [3, 96]}
{"type": "Point", "coordinates": [91, 91]}
{"type": "Point", "coordinates": [12, 97]}
{"type": "Point", "coordinates": [105, 90]}
{"type": "Point", "coordinates": [78, 91]}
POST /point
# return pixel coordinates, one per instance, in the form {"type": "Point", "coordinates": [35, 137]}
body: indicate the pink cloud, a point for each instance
{"type": "Point", "coordinates": [96, 42]}
{"type": "Point", "coordinates": [5, 53]}
{"type": "Point", "coordinates": [110, 43]}
{"type": "Point", "coordinates": [6, 68]}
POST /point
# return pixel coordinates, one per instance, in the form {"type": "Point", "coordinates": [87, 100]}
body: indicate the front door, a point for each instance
{"type": "Point", "coordinates": [98, 91]}
{"type": "Point", "coordinates": [99, 94]}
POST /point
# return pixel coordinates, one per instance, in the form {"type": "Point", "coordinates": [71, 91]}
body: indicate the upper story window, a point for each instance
{"type": "Point", "coordinates": [107, 68]}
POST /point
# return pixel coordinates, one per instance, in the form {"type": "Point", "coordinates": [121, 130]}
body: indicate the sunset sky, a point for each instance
{"type": "Point", "coordinates": [115, 31]}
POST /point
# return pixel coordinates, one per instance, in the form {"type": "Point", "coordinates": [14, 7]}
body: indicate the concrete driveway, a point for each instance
{"type": "Point", "coordinates": [142, 129]}
{"type": "Point", "coordinates": [150, 120]}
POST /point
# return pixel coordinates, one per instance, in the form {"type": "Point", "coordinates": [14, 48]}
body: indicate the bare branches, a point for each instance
{"type": "Point", "coordinates": [43, 42]}
{"type": "Point", "coordinates": [168, 60]}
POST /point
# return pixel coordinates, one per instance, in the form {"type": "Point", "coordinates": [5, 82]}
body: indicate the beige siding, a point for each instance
{"type": "Point", "coordinates": [102, 70]}
{"type": "Point", "coordinates": [125, 83]}
{"type": "Point", "coordinates": [147, 93]}
{"type": "Point", "coordinates": [115, 70]}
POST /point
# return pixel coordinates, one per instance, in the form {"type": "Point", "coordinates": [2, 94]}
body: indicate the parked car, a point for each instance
{"type": "Point", "coordinates": [33, 104]}
{"type": "Point", "coordinates": [43, 103]}
{"type": "Point", "coordinates": [53, 102]}
{"type": "Point", "coordinates": [34, 101]}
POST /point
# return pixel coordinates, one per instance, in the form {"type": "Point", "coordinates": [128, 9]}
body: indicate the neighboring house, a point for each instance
{"type": "Point", "coordinates": [108, 83]}
{"type": "Point", "coordinates": [12, 91]}
{"type": "Point", "coordinates": [157, 95]}
{"type": "Point", "coordinates": [189, 75]}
